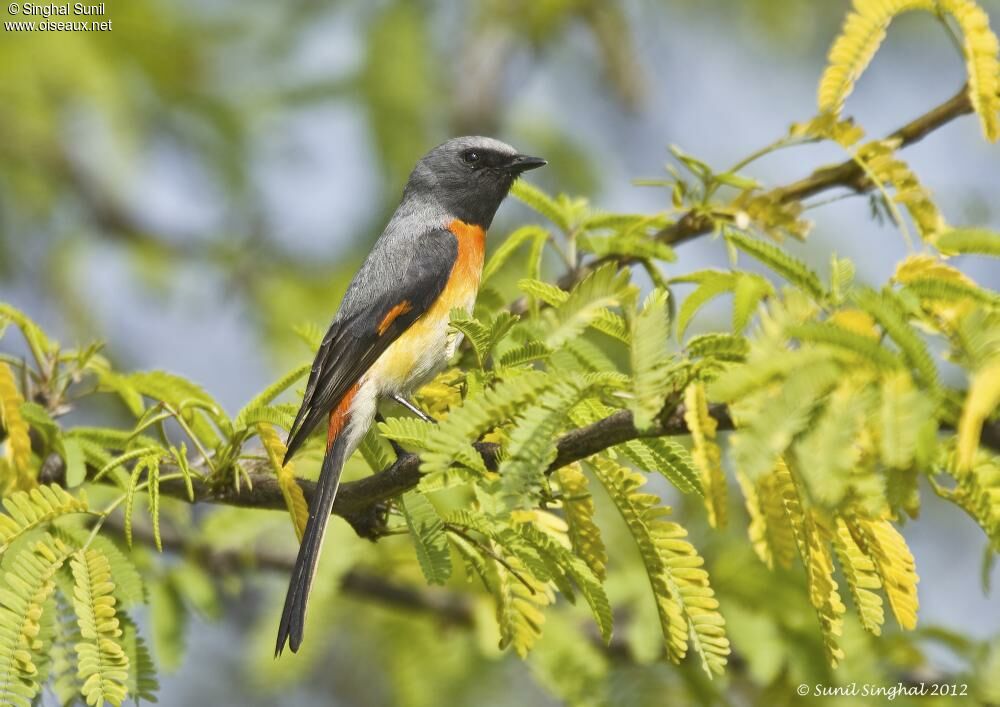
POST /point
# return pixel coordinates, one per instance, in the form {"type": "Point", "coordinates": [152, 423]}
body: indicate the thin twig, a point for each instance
{"type": "Point", "coordinates": [460, 532]}
{"type": "Point", "coordinates": [846, 174]}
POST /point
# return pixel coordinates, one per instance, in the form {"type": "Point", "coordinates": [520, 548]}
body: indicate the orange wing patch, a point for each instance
{"type": "Point", "coordinates": [338, 416]}
{"type": "Point", "coordinates": [393, 314]}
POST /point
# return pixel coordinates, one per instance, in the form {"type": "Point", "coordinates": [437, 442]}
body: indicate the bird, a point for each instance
{"type": "Point", "coordinates": [391, 332]}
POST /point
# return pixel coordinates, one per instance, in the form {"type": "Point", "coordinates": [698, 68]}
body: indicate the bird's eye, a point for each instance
{"type": "Point", "coordinates": [471, 156]}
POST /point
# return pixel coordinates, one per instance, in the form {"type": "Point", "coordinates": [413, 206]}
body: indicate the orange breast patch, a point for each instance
{"type": "Point", "coordinates": [468, 268]}
{"type": "Point", "coordinates": [419, 349]}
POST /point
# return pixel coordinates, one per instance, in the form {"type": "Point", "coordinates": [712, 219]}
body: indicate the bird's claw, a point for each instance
{"type": "Point", "coordinates": [372, 522]}
{"type": "Point", "coordinates": [413, 408]}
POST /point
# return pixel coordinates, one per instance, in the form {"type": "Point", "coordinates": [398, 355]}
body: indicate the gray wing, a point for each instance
{"type": "Point", "coordinates": [396, 285]}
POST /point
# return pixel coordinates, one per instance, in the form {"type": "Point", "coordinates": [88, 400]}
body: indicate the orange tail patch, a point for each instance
{"type": "Point", "coordinates": [339, 415]}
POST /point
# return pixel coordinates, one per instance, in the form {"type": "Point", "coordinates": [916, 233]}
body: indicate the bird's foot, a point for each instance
{"type": "Point", "coordinates": [413, 408]}
{"type": "Point", "coordinates": [372, 522]}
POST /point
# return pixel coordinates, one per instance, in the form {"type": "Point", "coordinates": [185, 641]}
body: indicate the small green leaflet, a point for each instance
{"type": "Point", "coordinates": [711, 284]}
{"type": "Point", "coordinates": [76, 469]}
{"type": "Point", "coordinates": [629, 245]}
{"type": "Point", "coordinates": [667, 457]}
{"type": "Point", "coordinates": [789, 267]}
{"type": "Point", "coordinates": [980, 241]}
{"type": "Point", "coordinates": [535, 234]}
{"type": "Point", "coordinates": [650, 359]}
{"type": "Point", "coordinates": [269, 394]}
{"type": "Point", "coordinates": [537, 200]}
{"type": "Point", "coordinates": [723, 347]}
{"type": "Point", "coordinates": [748, 290]}
{"type": "Point", "coordinates": [587, 303]}
{"type": "Point", "coordinates": [429, 538]}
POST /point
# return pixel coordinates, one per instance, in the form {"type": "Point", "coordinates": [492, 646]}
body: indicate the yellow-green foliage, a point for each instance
{"type": "Point", "coordinates": [863, 32]}
{"type": "Point", "coordinates": [706, 453]}
{"type": "Point", "coordinates": [969, 240]}
{"type": "Point", "coordinates": [520, 600]}
{"type": "Point", "coordinates": [886, 169]}
{"type": "Point", "coordinates": [578, 506]}
{"type": "Point", "coordinates": [812, 536]}
{"type": "Point", "coordinates": [24, 643]}
{"type": "Point", "coordinates": [579, 404]}
{"type": "Point", "coordinates": [862, 577]}
{"type": "Point", "coordinates": [981, 47]}
{"type": "Point", "coordinates": [865, 28]}
{"type": "Point", "coordinates": [95, 665]}
{"type": "Point", "coordinates": [650, 374]}
{"type": "Point", "coordinates": [894, 564]}
{"type": "Point", "coordinates": [685, 602]}
{"type": "Point", "coordinates": [770, 528]}
{"type": "Point", "coordinates": [547, 535]}
{"type": "Point", "coordinates": [429, 539]}
{"type": "Point", "coordinates": [18, 443]}
{"type": "Point", "coordinates": [27, 510]}
{"type": "Point", "coordinates": [102, 662]}
{"type": "Point", "coordinates": [295, 501]}
{"type": "Point", "coordinates": [984, 397]}
{"type": "Point", "coordinates": [977, 490]}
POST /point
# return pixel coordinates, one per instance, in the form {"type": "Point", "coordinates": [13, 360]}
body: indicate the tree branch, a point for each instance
{"type": "Point", "coordinates": [848, 174]}
{"type": "Point", "coordinates": [359, 502]}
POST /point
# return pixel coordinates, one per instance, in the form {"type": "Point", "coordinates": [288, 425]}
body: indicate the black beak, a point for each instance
{"type": "Point", "coordinates": [522, 163]}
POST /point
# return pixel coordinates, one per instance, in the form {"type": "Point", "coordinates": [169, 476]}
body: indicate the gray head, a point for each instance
{"type": "Point", "coordinates": [468, 177]}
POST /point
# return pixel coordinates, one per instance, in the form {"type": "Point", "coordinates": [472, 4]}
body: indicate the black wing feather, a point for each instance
{"type": "Point", "coordinates": [353, 343]}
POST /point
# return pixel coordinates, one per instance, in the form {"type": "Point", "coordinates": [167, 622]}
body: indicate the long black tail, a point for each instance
{"type": "Point", "coordinates": [294, 614]}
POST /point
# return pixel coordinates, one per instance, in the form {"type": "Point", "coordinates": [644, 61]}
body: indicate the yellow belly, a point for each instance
{"type": "Point", "coordinates": [423, 349]}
